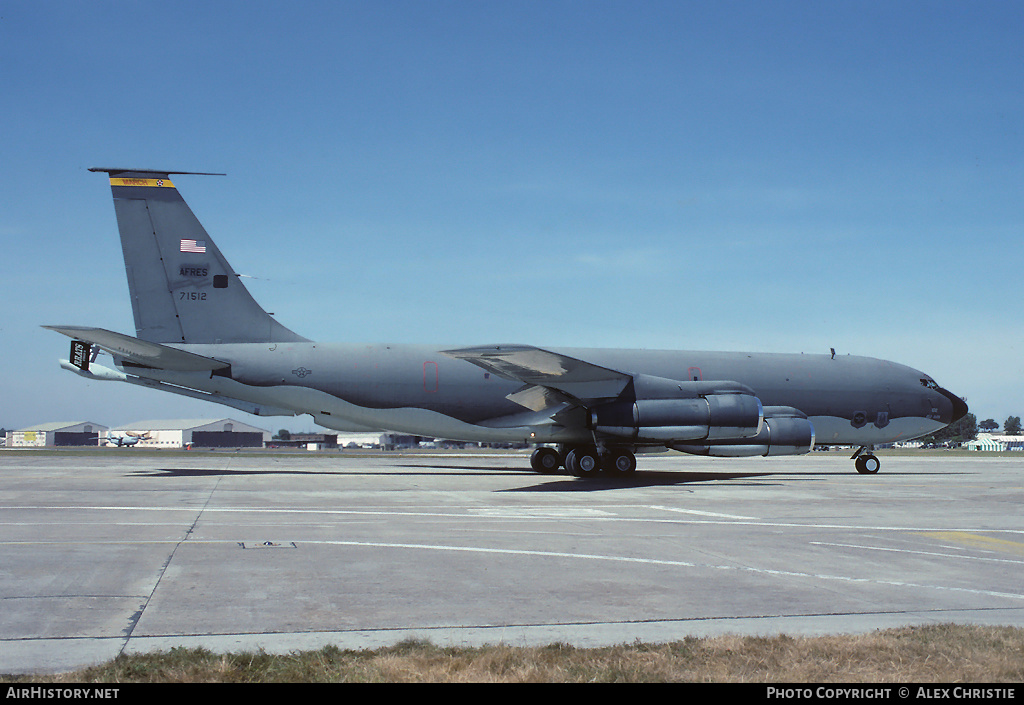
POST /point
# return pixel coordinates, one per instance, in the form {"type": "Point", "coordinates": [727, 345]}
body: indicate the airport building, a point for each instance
{"type": "Point", "coordinates": [328, 441]}
{"type": "Point", "coordinates": [307, 441]}
{"type": "Point", "coordinates": [185, 433]}
{"type": "Point", "coordinates": [81, 433]}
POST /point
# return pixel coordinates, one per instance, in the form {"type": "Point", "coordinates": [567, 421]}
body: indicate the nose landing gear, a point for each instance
{"type": "Point", "coordinates": [866, 463]}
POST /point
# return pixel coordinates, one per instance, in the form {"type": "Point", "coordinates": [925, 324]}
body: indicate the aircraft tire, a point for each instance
{"type": "Point", "coordinates": [620, 463]}
{"type": "Point", "coordinates": [867, 464]}
{"type": "Point", "coordinates": [545, 461]}
{"type": "Point", "coordinates": [571, 466]}
{"type": "Point", "coordinates": [583, 463]}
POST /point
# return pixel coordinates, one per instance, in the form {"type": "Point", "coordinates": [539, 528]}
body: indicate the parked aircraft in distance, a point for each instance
{"type": "Point", "coordinates": [198, 332]}
{"type": "Point", "coordinates": [122, 441]}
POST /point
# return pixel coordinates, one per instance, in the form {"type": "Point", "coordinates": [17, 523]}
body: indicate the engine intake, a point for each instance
{"type": "Point", "coordinates": [711, 417]}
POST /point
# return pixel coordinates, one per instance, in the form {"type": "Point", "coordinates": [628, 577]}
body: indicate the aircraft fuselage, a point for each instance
{"type": "Point", "coordinates": [849, 399]}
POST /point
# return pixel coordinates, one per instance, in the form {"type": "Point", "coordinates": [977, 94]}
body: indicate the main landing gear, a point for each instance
{"type": "Point", "coordinates": [585, 461]}
{"type": "Point", "coordinates": [866, 463]}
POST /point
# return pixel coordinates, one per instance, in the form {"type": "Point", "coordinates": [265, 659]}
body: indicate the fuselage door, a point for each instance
{"type": "Point", "coordinates": [431, 377]}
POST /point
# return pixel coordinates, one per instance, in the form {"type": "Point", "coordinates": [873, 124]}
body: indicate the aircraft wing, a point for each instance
{"type": "Point", "coordinates": [141, 352]}
{"type": "Point", "coordinates": [549, 378]}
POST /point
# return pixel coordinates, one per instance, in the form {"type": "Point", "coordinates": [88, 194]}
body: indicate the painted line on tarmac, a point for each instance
{"type": "Point", "coordinates": [977, 541]}
{"type": "Point", "coordinates": [698, 512]}
{"type": "Point", "coordinates": [920, 553]}
{"type": "Point", "coordinates": [475, 514]}
{"type": "Point", "coordinates": [663, 562]}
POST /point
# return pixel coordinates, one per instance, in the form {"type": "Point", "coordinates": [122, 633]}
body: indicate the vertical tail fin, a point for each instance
{"type": "Point", "coordinates": [182, 288]}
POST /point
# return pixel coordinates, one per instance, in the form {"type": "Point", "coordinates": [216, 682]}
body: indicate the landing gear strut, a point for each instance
{"type": "Point", "coordinates": [866, 464]}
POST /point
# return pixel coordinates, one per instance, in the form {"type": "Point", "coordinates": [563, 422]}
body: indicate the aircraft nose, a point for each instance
{"type": "Point", "coordinates": [958, 407]}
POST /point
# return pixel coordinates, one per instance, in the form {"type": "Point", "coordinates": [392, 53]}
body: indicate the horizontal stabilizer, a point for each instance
{"type": "Point", "coordinates": [151, 172]}
{"type": "Point", "coordinates": [141, 352]}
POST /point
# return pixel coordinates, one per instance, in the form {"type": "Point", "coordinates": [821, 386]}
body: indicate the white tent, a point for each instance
{"type": "Point", "coordinates": [985, 443]}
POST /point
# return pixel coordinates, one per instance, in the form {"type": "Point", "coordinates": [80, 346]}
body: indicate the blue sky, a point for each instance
{"type": "Point", "coordinates": [784, 176]}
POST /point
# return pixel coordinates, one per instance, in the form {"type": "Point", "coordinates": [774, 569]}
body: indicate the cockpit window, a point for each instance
{"type": "Point", "coordinates": [930, 383]}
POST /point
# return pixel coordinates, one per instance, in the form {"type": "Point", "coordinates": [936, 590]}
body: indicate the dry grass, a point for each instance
{"type": "Point", "coordinates": [933, 654]}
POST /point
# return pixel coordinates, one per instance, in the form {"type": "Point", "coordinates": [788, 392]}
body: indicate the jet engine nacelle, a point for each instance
{"type": "Point", "coordinates": [710, 417]}
{"type": "Point", "coordinates": [786, 431]}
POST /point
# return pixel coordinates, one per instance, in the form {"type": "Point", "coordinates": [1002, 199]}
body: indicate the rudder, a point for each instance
{"type": "Point", "coordinates": [182, 288]}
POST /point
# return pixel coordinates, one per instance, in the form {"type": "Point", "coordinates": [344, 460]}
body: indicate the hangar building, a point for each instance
{"type": "Point", "coordinates": [81, 433]}
{"type": "Point", "coordinates": [204, 433]}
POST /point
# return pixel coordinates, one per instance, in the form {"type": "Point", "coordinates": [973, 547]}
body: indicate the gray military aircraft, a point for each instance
{"type": "Point", "coordinates": [125, 441]}
{"type": "Point", "coordinates": [198, 332]}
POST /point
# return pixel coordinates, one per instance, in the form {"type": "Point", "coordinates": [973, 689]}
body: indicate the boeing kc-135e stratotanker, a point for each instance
{"type": "Point", "coordinates": [198, 332]}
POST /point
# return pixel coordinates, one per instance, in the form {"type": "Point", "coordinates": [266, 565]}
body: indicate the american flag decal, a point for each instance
{"type": "Point", "coordinates": [193, 246]}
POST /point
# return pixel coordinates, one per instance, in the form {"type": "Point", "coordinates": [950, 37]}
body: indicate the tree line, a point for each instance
{"type": "Point", "coordinates": [1011, 427]}
{"type": "Point", "coordinates": [966, 429]}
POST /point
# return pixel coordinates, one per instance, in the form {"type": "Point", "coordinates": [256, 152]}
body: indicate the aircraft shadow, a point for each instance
{"type": "Point", "coordinates": [567, 483]}
{"type": "Point", "coordinates": [548, 483]}
{"type": "Point", "coordinates": [639, 479]}
{"type": "Point", "coordinates": [545, 483]}
{"type": "Point", "coordinates": [216, 472]}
